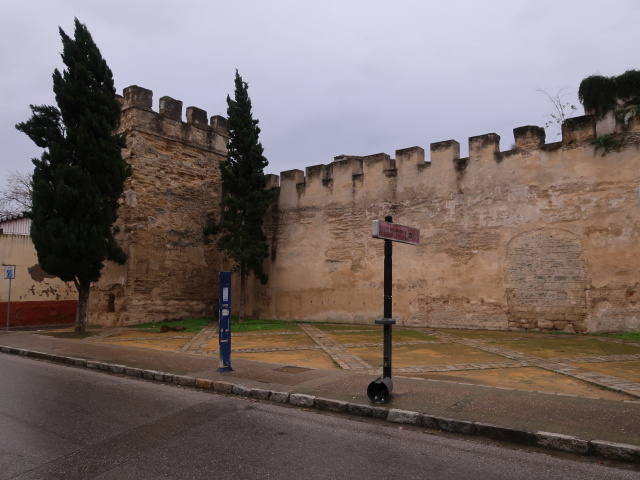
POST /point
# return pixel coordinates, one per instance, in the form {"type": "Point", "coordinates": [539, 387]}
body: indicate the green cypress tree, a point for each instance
{"type": "Point", "coordinates": [80, 176]}
{"type": "Point", "coordinates": [245, 198]}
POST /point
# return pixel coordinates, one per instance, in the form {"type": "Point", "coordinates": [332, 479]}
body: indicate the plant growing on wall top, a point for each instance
{"type": "Point", "coordinates": [605, 143]}
{"type": "Point", "coordinates": [80, 176]}
{"type": "Point", "coordinates": [599, 94]}
{"type": "Point", "coordinates": [563, 109]}
{"type": "Point", "coordinates": [245, 198]}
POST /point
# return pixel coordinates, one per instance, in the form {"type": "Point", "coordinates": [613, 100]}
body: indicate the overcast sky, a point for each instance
{"type": "Point", "coordinates": [353, 77]}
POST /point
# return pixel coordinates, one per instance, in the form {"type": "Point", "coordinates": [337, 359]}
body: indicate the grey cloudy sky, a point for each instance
{"type": "Point", "coordinates": [353, 77]}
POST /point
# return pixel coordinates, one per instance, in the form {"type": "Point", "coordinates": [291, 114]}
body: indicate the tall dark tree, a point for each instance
{"type": "Point", "coordinates": [245, 198]}
{"type": "Point", "coordinates": [80, 176]}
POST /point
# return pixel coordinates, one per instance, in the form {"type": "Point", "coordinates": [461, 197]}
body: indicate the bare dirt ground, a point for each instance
{"type": "Point", "coordinates": [529, 379]}
{"type": "Point", "coordinates": [496, 359]}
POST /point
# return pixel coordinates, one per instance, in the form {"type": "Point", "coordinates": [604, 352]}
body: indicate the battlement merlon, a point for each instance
{"type": "Point", "coordinates": [529, 137]}
{"type": "Point", "coordinates": [171, 108]}
{"type": "Point", "coordinates": [578, 129]}
{"type": "Point", "coordinates": [577, 132]}
{"type": "Point", "coordinates": [413, 156]}
{"type": "Point", "coordinates": [344, 168]}
{"type": "Point", "coordinates": [273, 181]}
{"type": "Point", "coordinates": [318, 174]}
{"type": "Point", "coordinates": [167, 122]}
{"type": "Point", "coordinates": [196, 116]}
{"type": "Point", "coordinates": [447, 151]}
{"type": "Point", "coordinates": [135, 96]}
{"type": "Point", "coordinates": [289, 182]}
{"type": "Point", "coordinates": [484, 147]}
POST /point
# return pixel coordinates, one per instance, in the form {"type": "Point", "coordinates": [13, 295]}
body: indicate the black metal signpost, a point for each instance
{"type": "Point", "coordinates": [380, 389]}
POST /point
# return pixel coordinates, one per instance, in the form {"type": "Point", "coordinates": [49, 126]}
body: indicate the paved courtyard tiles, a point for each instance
{"type": "Point", "coordinates": [337, 351]}
{"type": "Point", "coordinates": [554, 347]}
{"type": "Point", "coordinates": [424, 353]}
{"type": "Point", "coordinates": [607, 381]}
{"type": "Point", "coordinates": [531, 379]}
{"type": "Point", "coordinates": [314, 357]}
{"type": "Point", "coordinates": [146, 340]}
{"type": "Point", "coordinates": [246, 342]}
{"type": "Point", "coordinates": [202, 339]}
{"type": "Point", "coordinates": [444, 354]}
{"type": "Point", "coordinates": [628, 370]}
{"type": "Point", "coordinates": [399, 336]}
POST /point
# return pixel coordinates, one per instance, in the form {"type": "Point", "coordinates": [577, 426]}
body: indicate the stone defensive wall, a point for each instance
{"type": "Point", "coordinates": [197, 131]}
{"type": "Point", "coordinates": [539, 236]}
{"type": "Point", "coordinates": [173, 191]}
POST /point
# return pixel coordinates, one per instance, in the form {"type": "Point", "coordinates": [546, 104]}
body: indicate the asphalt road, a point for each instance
{"type": "Point", "coordinates": [59, 422]}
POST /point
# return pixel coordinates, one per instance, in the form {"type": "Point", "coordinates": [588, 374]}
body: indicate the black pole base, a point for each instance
{"type": "Point", "coordinates": [379, 391]}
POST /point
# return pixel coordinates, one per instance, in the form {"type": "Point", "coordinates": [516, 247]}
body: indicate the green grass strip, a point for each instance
{"type": "Point", "coordinates": [626, 336]}
{"type": "Point", "coordinates": [190, 325]}
{"type": "Point", "coordinates": [252, 325]}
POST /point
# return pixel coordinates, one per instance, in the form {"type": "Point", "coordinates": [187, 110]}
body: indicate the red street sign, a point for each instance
{"type": "Point", "coordinates": [395, 232]}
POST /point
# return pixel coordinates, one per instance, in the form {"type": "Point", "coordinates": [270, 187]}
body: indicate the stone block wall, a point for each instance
{"type": "Point", "coordinates": [542, 236]}
{"type": "Point", "coordinates": [171, 272]}
{"type": "Point", "coordinates": [546, 280]}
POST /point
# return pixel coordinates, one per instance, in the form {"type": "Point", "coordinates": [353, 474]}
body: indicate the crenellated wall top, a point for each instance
{"type": "Point", "coordinates": [170, 109]}
{"type": "Point", "coordinates": [529, 140]}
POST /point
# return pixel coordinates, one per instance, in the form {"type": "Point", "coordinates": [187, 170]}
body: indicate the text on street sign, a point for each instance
{"type": "Point", "coordinates": [395, 232]}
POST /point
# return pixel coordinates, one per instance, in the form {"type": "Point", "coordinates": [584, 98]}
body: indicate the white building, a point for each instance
{"type": "Point", "coordinates": [15, 225]}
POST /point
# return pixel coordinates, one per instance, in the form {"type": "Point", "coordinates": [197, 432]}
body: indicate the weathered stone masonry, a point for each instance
{"type": "Point", "coordinates": [539, 236]}
{"type": "Point", "coordinates": [172, 193]}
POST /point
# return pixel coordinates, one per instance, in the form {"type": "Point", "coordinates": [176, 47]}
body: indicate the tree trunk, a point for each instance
{"type": "Point", "coordinates": [82, 312]}
{"type": "Point", "coordinates": [242, 292]}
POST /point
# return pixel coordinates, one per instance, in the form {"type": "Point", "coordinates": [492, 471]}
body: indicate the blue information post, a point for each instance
{"type": "Point", "coordinates": [9, 274]}
{"type": "Point", "coordinates": [224, 326]}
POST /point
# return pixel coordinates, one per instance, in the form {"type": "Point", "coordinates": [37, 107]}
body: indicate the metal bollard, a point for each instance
{"type": "Point", "coordinates": [379, 391]}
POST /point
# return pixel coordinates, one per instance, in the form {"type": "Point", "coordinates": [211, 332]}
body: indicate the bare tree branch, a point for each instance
{"type": "Point", "coordinates": [564, 109]}
{"type": "Point", "coordinates": [15, 197]}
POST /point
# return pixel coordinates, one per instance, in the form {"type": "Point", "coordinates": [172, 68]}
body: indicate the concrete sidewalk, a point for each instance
{"type": "Point", "coordinates": [587, 426]}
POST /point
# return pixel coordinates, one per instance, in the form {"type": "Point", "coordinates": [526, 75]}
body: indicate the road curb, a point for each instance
{"type": "Point", "coordinates": [545, 440]}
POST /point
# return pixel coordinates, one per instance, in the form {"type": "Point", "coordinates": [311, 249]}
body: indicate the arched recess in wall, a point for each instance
{"type": "Point", "coordinates": [114, 298]}
{"type": "Point", "coordinates": [546, 279]}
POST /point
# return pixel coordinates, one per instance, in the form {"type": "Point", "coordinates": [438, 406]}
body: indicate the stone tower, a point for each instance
{"type": "Point", "coordinates": [173, 191]}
